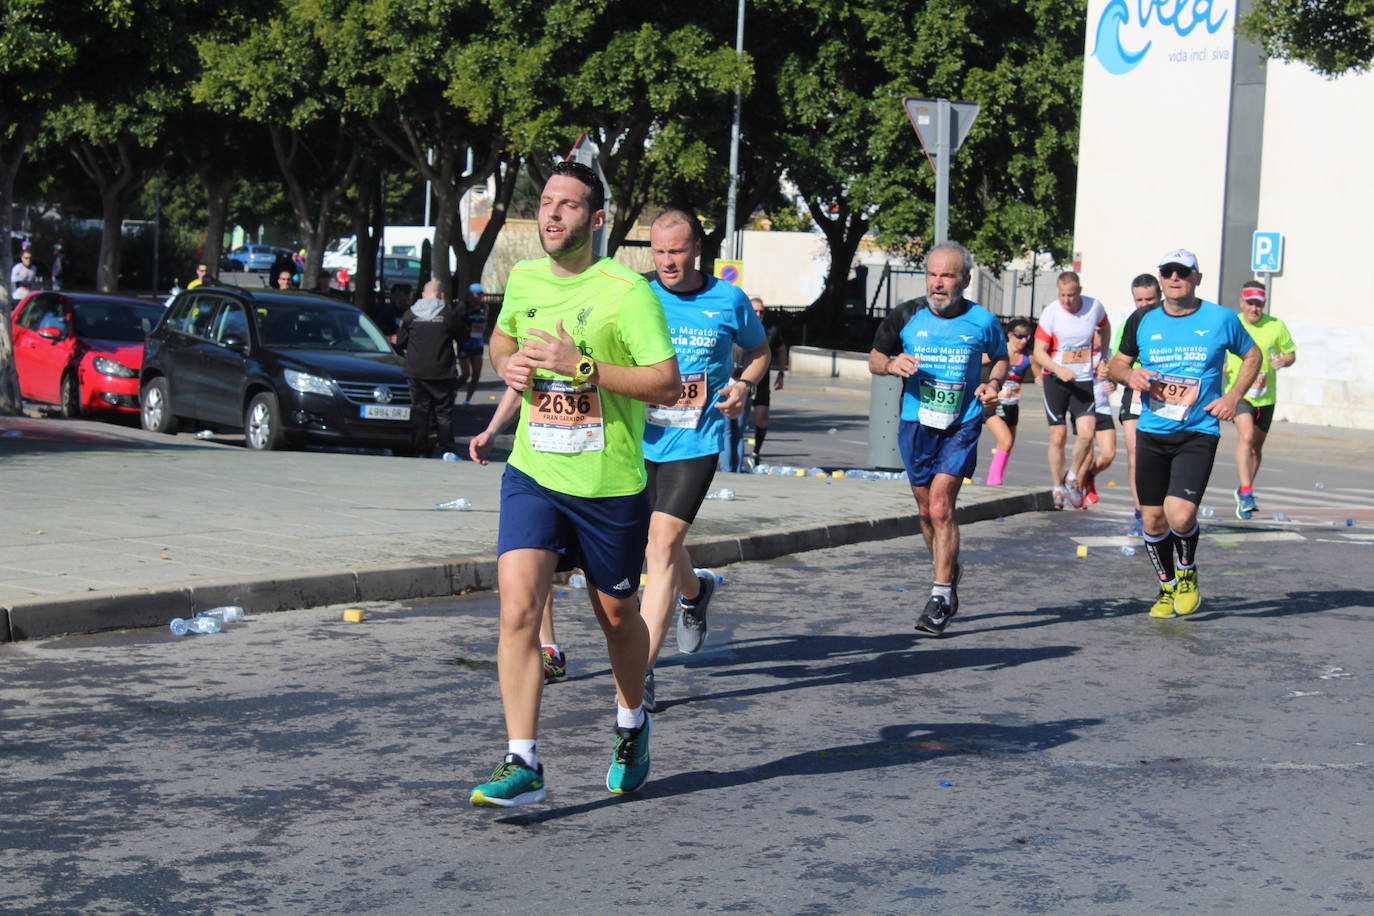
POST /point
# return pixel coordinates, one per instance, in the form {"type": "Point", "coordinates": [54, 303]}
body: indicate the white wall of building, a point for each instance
{"type": "Point", "coordinates": [1152, 176]}
{"type": "Point", "coordinates": [1152, 142]}
{"type": "Point", "coordinates": [1317, 188]}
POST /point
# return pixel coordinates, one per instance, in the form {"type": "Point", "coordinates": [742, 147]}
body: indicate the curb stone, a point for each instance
{"type": "Point", "coordinates": [151, 607]}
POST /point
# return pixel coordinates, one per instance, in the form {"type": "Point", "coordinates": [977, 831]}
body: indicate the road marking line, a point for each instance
{"type": "Point", "coordinates": [1124, 540]}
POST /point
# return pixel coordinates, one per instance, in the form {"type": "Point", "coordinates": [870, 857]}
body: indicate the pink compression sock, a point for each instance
{"type": "Point", "coordinates": [999, 464]}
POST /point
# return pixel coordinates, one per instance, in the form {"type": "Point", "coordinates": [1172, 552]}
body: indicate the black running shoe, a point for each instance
{"type": "Point", "coordinates": [937, 614]}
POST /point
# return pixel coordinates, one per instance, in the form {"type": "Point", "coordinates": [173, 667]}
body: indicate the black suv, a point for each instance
{"type": "Point", "coordinates": [283, 366]}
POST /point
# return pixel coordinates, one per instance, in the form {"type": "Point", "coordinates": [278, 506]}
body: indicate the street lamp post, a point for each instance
{"type": "Point", "coordinates": [732, 191]}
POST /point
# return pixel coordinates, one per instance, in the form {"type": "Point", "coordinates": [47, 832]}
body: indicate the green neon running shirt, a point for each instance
{"type": "Point", "coordinates": [585, 442]}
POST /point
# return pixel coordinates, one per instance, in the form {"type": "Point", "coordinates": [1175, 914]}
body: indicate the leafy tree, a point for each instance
{"type": "Point", "coordinates": [841, 71]}
{"type": "Point", "coordinates": [113, 112]}
{"type": "Point", "coordinates": [1331, 36]}
{"type": "Point", "coordinates": [276, 71]}
{"type": "Point", "coordinates": [40, 44]}
{"type": "Point", "coordinates": [652, 83]}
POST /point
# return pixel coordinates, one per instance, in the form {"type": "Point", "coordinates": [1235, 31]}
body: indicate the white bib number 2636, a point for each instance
{"type": "Point", "coordinates": [564, 418]}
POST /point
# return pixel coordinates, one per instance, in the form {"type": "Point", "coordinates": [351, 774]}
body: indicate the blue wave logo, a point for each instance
{"type": "Point", "coordinates": [1108, 49]}
{"type": "Point", "coordinates": [1183, 16]}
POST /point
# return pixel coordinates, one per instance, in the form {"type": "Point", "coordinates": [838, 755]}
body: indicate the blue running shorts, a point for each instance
{"type": "Point", "coordinates": [605, 537]}
{"type": "Point", "coordinates": [927, 452]}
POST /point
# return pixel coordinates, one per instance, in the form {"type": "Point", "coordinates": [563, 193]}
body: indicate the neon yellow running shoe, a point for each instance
{"type": "Point", "coordinates": [1164, 604]}
{"type": "Point", "coordinates": [1187, 598]}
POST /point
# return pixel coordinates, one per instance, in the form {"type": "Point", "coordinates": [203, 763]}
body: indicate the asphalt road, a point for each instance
{"type": "Point", "coordinates": [1056, 752]}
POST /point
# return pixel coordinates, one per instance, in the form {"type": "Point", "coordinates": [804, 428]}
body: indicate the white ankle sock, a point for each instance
{"type": "Point", "coordinates": [629, 718]}
{"type": "Point", "coordinates": [525, 748]}
{"type": "Point", "coordinates": [551, 646]}
{"type": "Point", "coordinates": [944, 591]}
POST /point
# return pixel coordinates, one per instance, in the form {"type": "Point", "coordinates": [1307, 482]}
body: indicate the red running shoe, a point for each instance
{"type": "Point", "coordinates": [1090, 489]}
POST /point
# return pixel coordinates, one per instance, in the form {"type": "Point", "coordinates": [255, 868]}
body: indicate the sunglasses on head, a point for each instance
{"type": "Point", "coordinates": [1175, 270]}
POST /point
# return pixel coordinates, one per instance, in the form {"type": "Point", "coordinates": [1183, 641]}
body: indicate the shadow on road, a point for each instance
{"type": "Point", "coordinates": [897, 745]}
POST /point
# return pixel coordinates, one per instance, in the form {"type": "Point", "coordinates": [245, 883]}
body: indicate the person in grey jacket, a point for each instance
{"type": "Point", "coordinates": [427, 335]}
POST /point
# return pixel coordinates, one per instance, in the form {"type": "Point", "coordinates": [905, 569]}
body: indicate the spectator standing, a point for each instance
{"type": "Point", "coordinates": [474, 342]}
{"type": "Point", "coordinates": [57, 272]}
{"type": "Point", "coordinates": [202, 276]}
{"type": "Point", "coordinates": [23, 277]}
{"type": "Point", "coordinates": [426, 337]}
{"type": "Point", "coordinates": [777, 351]}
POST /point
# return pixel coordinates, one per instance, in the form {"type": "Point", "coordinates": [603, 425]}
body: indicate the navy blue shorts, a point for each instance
{"type": "Point", "coordinates": [927, 452]}
{"type": "Point", "coordinates": [605, 537]}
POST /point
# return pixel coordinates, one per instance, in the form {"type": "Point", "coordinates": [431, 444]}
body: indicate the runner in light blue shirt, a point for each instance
{"type": "Point", "coordinates": [707, 318]}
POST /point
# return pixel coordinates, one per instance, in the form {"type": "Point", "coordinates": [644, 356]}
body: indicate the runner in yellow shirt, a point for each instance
{"type": "Point", "coordinates": [585, 341]}
{"type": "Point", "coordinates": [1255, 412]}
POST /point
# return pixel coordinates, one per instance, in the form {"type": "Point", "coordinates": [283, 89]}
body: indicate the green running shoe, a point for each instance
{"type": "Point", "coordinates": [512, 783]}
{"type": "Point", "coordinates": [1164, 604]}
{"type": "Point", "coordinates": [630, 759]}
{"type": "Point", "coordinates": [1187, 598]}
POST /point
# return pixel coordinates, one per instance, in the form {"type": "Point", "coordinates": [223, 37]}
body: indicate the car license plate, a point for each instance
{"type": "Point", "coordinates": [385, 412]}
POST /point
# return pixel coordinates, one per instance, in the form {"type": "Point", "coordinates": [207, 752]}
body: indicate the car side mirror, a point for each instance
{"type": "Point", "coordinates": [50, 332]}
{"type": "Point", "coordinates": [235, 342]}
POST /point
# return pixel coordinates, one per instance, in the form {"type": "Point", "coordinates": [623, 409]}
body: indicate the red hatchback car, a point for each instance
{"type": "Point", "coordinates": [81, 351]}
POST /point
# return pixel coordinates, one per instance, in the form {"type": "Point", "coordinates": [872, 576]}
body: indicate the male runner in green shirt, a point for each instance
{"type": "Point", "coordinates": [1255, 412]}
{"type": "Point", "coordinates": [585, 341]}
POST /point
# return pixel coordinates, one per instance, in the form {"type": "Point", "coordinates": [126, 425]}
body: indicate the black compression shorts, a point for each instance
{"type": "Point", "coordinates": [678, 487]}
{"type": "Point", "coordinates": [1173, 464]}
{"type": "Point", "coordinates": [1063, 400]}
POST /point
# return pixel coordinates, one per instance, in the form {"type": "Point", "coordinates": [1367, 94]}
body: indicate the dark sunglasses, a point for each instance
{"type": "Point", "coordinates": [1175, 270]}
{"type": "Point", "coordinates": [1020, 336]}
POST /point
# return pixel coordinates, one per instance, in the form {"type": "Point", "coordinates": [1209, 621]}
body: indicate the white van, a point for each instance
{"type": "Point", "coordinates": [404, 241]}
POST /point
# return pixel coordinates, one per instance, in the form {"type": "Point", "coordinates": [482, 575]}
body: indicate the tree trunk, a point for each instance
{"type": "Point", "coordinates": [366, 235]}
{"type": "Point", "coordinates": [314, 206]}
{"type": "Point", "coordinates": [446, 198]}
{"type": "Point", "coordinates": [114, 173]}
{"type": "Point", "coordinates": [14, 152]}
{"type": "Point", "coordinates": [472, 263]}
{"type": "Point", "coordinates": [843, 232]}
{"type": "Point", "coordinates": [217, 192]}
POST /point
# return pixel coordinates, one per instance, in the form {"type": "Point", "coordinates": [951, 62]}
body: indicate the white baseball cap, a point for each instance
{"type": "Point", "coordinates": [1180, 256]}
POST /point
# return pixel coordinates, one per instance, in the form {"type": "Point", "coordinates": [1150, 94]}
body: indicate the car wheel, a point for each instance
{"type": "Point", "coordinates": [262, 429]}
{"type": "Point", "coordinates": [155, 407]}
{"type": "Point", "coordinates": [71, 397]}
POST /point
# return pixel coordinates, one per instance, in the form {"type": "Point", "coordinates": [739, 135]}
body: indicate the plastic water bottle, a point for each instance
{"type": "Point", "coordinates": [1127, 551]}
{"type": "Point", "coordinates": [762, 469]}
{"type": "Point", "coordinates": [577, 580]}
{"type": "Point", "coordinates": [452, 456]}
{"type": "Point", "coordinates": [453, 505]}
{"type": "Point", "coordinates": [1350, 523]}
{"type": "Point", "coordinates": [709, 574]}
{"type": "Point", "coordinates": [206, 434]}
{"type": "Point", "coordinates": [1208, 512]}
{"type": "Point", "coordinates": [1280, 517]}
{"type": "Point", "coordinates": [724, 493]}
{"type": "Point", "coordinates": [180, 627]}
{"type": "Point", "coordinates": [1319, 485]}
{"type": "Point", "coordinates": [831, 431]}
{"type": "Point", "coordinates": [227, 614]}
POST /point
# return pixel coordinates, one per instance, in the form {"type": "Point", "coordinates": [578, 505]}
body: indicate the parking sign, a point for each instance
{"type": "Point", "coordinates": [1266, 252]}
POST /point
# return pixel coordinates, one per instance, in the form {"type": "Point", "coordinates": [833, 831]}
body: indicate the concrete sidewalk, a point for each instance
{"type": "Point", "coordinates": [106, 526]}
